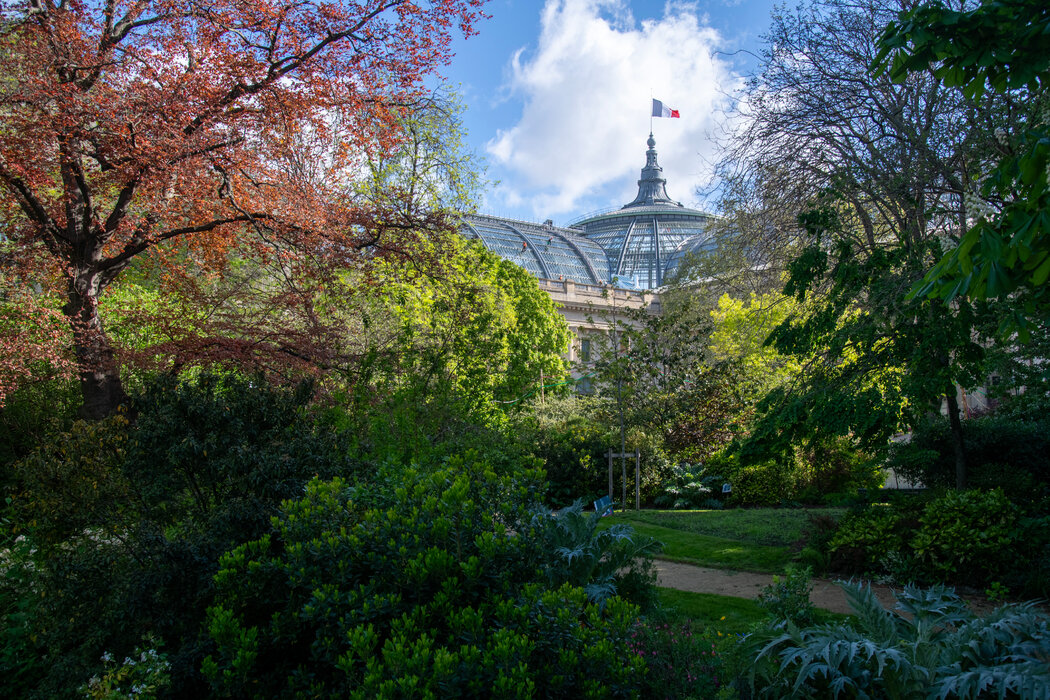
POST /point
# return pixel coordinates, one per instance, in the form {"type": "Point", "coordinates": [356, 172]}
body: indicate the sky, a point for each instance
{"type": "Point", "coordinates": [558, 96]}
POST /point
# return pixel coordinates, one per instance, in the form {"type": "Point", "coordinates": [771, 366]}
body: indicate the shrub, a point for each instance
{"type": "Point", "coordinates": [73, 482]}
{"type": "Point", "coordinates": [864, 538]}
{"type": "Point", "coordinates": [21, 663]}
{"type": "Point", "coordinates": [833, 466]}
{"type": "Point", "coordinates": [30, 416]}
{"type": "Point", "coordinates": [573, 456]}
{"type": "Point", "coordinates": [443, 593]}
{"type": "Point", "coordinates": [683, 659]}
{"type": "Point", "coordinates": [203, 469]}
{"type": "Point", "coordinates": [607, 562]}
{"type": "Point", "coordinates": [141, 676]}
{"type": "Point", "coordinates": [936, 648]}
{"type": "Point", "coordinates": [691, 487]}
{"type": "Point", "coordinates": [1030, 569]}
{"type": "Point", "coordinates": [766, 484]}
{"type": "Point", "coordinates": [967, 536]}
{"type": "Point", "coordinates": [787, 599]}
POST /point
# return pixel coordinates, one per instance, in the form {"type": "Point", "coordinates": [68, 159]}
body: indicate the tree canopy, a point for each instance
{"type": "Point", "coordinates": [184, 130]}
{"type": "Point", "coordinates": [1001, 47]}
{"type": "Point", "coordinates": [873, 173]}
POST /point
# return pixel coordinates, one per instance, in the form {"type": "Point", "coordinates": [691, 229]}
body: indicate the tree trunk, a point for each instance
{"type": "Point", "coordinates": [957, 441]}
{"type": "Point", "coordinates": [100, 383]}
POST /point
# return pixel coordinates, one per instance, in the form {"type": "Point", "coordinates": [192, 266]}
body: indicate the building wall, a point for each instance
{"type": "Point", "coordinates": [592, 309]}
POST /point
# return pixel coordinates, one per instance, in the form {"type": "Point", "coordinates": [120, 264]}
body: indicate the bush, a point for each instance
{"type": "Point", "coordinates": [787, 599]}
{"type": "Point", "coordinates": [683, 659]}
{"type": "Point", "coordinates": [958, 537]}
{"type": "Point", "coordinates": [691, 487]}
{"type": "Point", "coordinates": [1030, 569]}
{"type": "Point", "coordinates": [131, 520]}
{"type": "Point", "coordinates": [766, 484]}
{"type": "Point", "coordinates": [21, 662]}
{"type": "Point", "coordinates": [573, 454]}
{"type": "Point", "coordinates": [141, 676]}
{"type": "Point", "coordinates": [936, 648]}
{"type": "Point", "coordinates": [834, 466]}
{"type": "Point", "coordinates": [443, 593]}
{"type": "Point", "coordinates": [30, 414]}
{"type": "Point", "coordinates": [864, 538]}
{"type": "Point", "coordinates": [967, 536]}
{"type": "Point", "coordinates": [613, 561]}
{"type": "Point", "coordinates": [73, 482]}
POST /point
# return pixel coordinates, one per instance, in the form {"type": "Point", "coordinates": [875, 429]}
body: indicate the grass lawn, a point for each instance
{"type": "Point", "coordinates": [717, 552]}
{"type": "Point", "coordinates": [746, 539]}
{"type": "Point", "coordinates": [710, 609]}
{"type": "Point", "coordinates": [778, 527]}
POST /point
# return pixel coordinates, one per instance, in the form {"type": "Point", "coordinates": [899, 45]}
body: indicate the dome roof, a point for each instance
{"type": "Point", "coordinates": [545, 250]}
{"type": "Point", "coordinates": [645, 240]}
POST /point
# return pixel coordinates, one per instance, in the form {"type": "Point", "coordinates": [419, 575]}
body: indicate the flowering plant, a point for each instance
{"type": "Point", "coordinates": [138, 677]}
{"type": "Point", "coordinates": [683, 659]}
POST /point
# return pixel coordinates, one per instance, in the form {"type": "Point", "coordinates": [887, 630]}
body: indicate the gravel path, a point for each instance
{"type": "Point", "coordinates": [744, 584]}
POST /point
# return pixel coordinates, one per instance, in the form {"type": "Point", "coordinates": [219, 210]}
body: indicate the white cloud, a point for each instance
{"type": "Point", "coordinates": [580, 141]}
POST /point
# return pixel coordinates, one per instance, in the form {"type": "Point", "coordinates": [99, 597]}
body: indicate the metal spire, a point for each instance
{"type": "Point", "coordinates": [652, 187]}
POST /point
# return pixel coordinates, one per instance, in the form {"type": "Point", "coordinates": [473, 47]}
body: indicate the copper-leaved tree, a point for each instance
{"type": "Point", "coordinates": [130, 128]}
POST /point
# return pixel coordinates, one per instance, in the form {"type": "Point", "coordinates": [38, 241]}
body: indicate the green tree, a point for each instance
{"type": "Point", "coordinates": [739, 333]}
{"type": "Point", "coordinates": [657, 375]}
{"type": "Point", "coordinates": [1001, 47]}
{"type": "Point", "coordinates": [878, 173]}
{"type": "Point", "coordinates": [445, 352]}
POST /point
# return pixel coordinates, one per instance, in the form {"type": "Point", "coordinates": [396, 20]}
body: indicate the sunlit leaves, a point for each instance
{"type": "Point", "coordinates": [1001, 47]}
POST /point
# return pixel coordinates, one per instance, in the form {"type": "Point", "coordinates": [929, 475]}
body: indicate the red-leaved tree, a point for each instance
{"type": "Point", "coordinates": [172, 128]}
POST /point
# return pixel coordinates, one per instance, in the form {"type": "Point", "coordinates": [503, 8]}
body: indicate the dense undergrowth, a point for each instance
{"type": "Point", "coordinates": [226, 538]}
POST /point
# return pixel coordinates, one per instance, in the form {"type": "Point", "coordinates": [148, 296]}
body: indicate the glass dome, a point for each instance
{"type": "Point", "coordinates": [546, 251]}
{"type": "Point", "coordinates": [645, 240]}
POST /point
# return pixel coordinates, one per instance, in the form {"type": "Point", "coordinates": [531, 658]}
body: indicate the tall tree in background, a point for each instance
{"type": "Point", "coordinates": [1001, 47]}
{"type": "Point", "coordinates": [877, 173]}
{"type": "Point", "coordinates": [166, 127]}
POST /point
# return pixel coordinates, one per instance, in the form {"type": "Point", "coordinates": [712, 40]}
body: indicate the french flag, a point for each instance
{"type": "Point", "coordinates": [662, 110]}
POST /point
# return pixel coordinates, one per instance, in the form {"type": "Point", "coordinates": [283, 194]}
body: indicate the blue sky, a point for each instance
{"type": "Point", "coordinates": [557, 96]}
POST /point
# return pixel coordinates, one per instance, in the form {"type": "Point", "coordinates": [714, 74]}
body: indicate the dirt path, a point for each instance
{"type": "Point", "coordinates": [744, 584]}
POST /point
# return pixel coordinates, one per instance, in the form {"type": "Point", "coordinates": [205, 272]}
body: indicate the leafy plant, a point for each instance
{"type": "Point", "coordinates": [967, 535]}
{"type": "Point", "coordinates": [934, 647]}
{"type": "Point", "coordinates": [21, 663]}
{"type": "Point", "coordinates": [787, 598]}
{"type": "Point", "coordinates": [996, 593]}
{"type": "Point", "coordinates": [604, 562]}
{"type": "Point", "coordinates": [765, 484]}
{"type": "Point", "coordinates": [572, 448]}
{"type": "Point", "coordinates": [130, 543]}
{"type": "Point", "coordinates": [691, 487]}
{"type": "Point", "coordinates": [141, 676]}
{"type": "Point", "coordinates": [442, 591]}
{"type": "Point", "coordinates": [683, 659]}
{"type": "Point", "coordinates": [864, 538]}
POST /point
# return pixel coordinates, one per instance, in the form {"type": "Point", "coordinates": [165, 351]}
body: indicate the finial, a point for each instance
{"type": "Point", "coordinates": [651, 188]}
